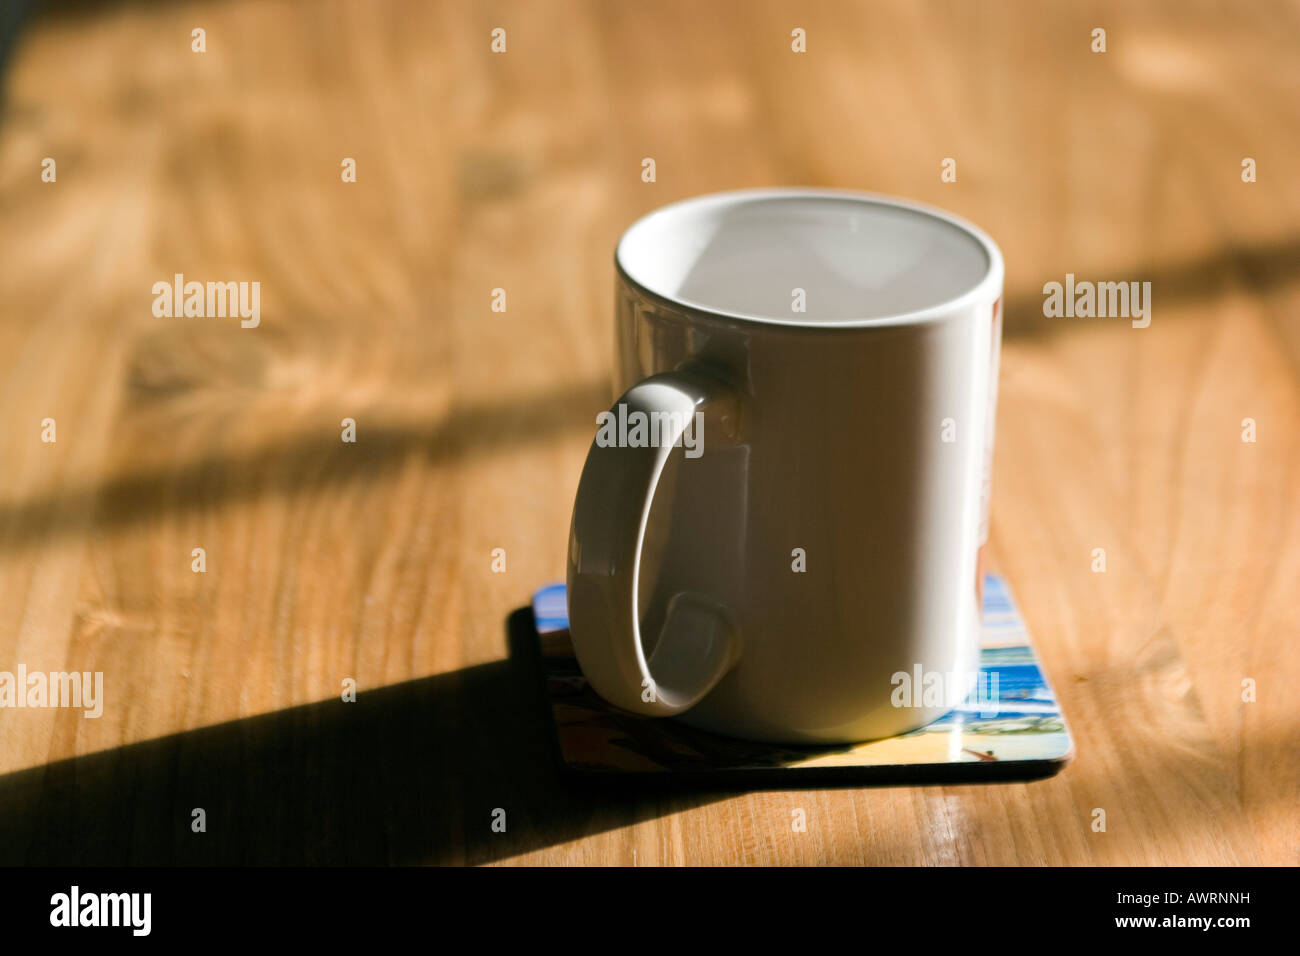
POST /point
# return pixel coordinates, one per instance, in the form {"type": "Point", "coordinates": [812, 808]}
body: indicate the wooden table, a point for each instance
{"type": "Point", "coordinates": [476, 171]}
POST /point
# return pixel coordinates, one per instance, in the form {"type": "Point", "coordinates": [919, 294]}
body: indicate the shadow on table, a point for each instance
{"type": "Point", "coordinates": [1258, 269]}
{"type": "Point", "coordinates": [407, 774]}
{"type": "Point", "coordinates": [297, 464]}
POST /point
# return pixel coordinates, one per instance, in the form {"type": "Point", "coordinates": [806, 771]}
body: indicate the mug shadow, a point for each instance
{"type": "Point", "coordinates": [408, 774]}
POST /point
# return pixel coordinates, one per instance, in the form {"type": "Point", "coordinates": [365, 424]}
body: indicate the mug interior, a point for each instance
{"type": "Point", "coordinates": [809, 257]}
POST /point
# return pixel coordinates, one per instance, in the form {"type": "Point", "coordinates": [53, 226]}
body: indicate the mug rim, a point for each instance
{"type": "Point", "coordinates": [988, 288]}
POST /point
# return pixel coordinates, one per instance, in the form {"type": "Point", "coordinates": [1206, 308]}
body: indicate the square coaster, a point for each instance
{"type": "Point", "coordinates": [1010, 728]}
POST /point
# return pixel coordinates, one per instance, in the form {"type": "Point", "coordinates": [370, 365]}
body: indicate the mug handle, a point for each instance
{"type": "Point", "coordinates": [699, 643]}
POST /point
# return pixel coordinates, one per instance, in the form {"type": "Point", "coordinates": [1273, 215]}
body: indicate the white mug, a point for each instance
{"type": "Point", "coordinates": [786, 509]}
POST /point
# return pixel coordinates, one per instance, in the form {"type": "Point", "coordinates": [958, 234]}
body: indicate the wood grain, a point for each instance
{"type": "Point", "coordinates": [477, 171]}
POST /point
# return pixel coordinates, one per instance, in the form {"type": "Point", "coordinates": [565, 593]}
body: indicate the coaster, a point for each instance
{"type": "Point", "coordinates": [1010, 728]}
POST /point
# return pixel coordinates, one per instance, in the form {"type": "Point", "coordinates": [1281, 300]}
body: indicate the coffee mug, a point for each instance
{"type": "Point", "coordinates": [781, 521]}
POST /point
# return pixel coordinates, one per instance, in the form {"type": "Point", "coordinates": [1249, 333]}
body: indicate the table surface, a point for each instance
{"type": "Point", "coordinates": [372, 561]}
